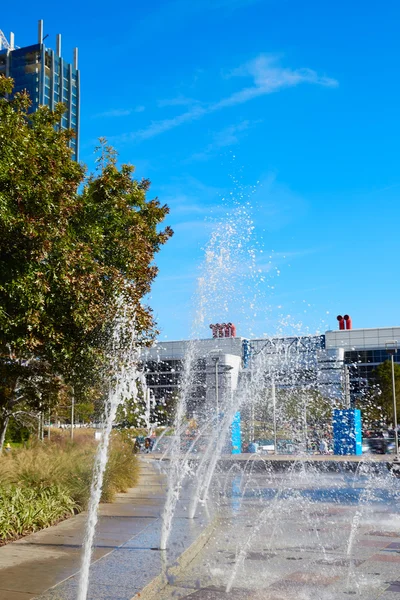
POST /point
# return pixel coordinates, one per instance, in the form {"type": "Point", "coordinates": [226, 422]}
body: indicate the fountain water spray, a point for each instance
{"type": "Point", "coordinates": [229, 282]}
{"type": "Point", "coordinates": [268, 511]}
{"type": "Point", "coordinates": [123, 385]}
{"type": "Point", "coordinates": [177, 471]}
{"type": "Point", "coordinates": [227, 259]}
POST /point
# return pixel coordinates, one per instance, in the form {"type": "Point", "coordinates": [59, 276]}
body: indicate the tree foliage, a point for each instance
{"type": "Point", "coordinates": [382, 392]}
{"type": "Point", "coordinates": [70, 245]}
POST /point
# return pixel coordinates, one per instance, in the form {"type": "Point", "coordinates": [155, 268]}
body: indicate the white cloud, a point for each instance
{"type": "Point", "coordinates": [177, 101]}
{"type": "Point", "coordinates": [118, 112]}
{"type": "Point", "coordinates": [157, 127]}
{"type": "Point", "coordinates": [229, 136]}
{"type": "Point", "coordinates": [267, 77]}
{"type": "Point", "coordinates": [189, 196]}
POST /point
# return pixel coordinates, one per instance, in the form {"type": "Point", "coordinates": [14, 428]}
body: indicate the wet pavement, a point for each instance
{"type": "Point", "coordinates": [137, 561]}
{"type": "Point", "coordinates": [302, 533]}
{"type": "Point", "coordinates": [299, 535]}
{"type": "Point", "coordinates": [285, 461]}
{"type": "Point", "coordinates": [32, 565]}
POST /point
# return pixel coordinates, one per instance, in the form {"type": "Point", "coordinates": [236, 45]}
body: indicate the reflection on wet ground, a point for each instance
{"type": "Point", "coordinates": [299, 535]}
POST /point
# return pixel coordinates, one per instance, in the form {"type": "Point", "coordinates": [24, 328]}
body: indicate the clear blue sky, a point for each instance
{"type": "Point", "coordinates": [298, 101]}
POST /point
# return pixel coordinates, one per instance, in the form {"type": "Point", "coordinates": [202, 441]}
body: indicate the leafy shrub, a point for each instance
{"type": "Point", "coordinates": [24, 510]}
{"type": "Point", "coordinates": [16, 433]}
{"type": "Point", "coordinates": [44, 465]}
{"type": "Point", "coordinates": [46, 481]}
{"type": "Point", "coordinates": [122, 468]}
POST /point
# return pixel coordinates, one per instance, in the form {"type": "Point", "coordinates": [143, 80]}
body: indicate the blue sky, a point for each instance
{"type": "Point", "coordinates": [289, 106]}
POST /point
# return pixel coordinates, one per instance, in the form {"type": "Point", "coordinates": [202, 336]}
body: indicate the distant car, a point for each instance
{"type": "Point", "coordinates": [380, 444]}
{"type": "Point", "coordinates": [365, 447]}
{"type": "Point", "coordinates": [268, 449]}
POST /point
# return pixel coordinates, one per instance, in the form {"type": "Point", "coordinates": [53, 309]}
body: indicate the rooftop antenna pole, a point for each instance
{"type": "Point", "coordinates": [40, 31]}
{"type": "Point", "coordinates": [58, 44]}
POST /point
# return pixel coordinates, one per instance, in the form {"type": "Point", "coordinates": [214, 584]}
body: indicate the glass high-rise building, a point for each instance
{"type": "Point", "coordinates": [46, 76]}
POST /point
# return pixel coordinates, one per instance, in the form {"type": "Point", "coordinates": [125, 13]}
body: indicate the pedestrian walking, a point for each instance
{"type": "Point", "coordinates": [323, 447]}
{"type": "Point", "coordinates": [148, 444]}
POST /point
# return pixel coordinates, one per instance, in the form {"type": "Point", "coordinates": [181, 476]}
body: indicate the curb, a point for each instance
{"type": "Point", "coordinates": [283, 462]}
{"type": "Point", "coordinates": [153, 589]}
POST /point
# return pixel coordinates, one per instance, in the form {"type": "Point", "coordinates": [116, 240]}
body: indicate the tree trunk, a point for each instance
{"type": "Point", "coordinates": [3, 430]}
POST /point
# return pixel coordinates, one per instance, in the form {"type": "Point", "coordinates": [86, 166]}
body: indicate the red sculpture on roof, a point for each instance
{"type": "Point", "coordinates": [220, 330]}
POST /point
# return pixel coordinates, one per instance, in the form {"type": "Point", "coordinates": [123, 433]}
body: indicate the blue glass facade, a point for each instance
{"type": "Point", "coordinates": [48, 79]}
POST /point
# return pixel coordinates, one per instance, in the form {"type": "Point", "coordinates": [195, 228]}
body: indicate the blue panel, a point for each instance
{"type": "Point", "coordinates": [347, 433]}
{"type": "Point", "coordinates": [236, 434]}
{"type": "Point", "coordinates": [358, 431]}
{"type": "Point", "coordinates": [246, 351]}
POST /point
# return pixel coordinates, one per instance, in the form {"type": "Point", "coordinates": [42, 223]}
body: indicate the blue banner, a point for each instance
{"type": "Point", "coordinates": [236, 434]}
{"type": "Point", "coordinates": [347, 432]}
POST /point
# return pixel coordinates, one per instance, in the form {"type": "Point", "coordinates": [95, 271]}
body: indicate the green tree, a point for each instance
{"type": "Point", "coordinates": [382, 391]}
{"type": "Point", "coordinates": [70, 246]}
{"type": "Point", "coordinates": [131, 413]}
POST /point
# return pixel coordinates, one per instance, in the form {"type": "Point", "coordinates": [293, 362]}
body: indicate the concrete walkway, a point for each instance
{"type": "Point", "coordinates": [33, 564]}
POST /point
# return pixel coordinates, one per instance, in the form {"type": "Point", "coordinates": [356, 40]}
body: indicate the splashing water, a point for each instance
{"type": "Point", "coordinates": [285, 378]}
{"type": "Point", "coordinates": [177, 471]}
{"type": "Point", "coordinates": [123, 385]}
{"type": "Point", "coordinates": [226, 257]}
{"type": "Point", "coordinates": [230, 282]}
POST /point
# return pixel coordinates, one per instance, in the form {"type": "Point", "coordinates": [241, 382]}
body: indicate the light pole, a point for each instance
{"type": "Point", "coordinates": [273, 395]}
{"type": "Point", "coordinates": [391, 349]}
{"type": "Point", "coordinates": [305, 426]}
{"type": "Point", "coordinates": [347, 387]}
{"type": "Point", "coordinates": [252, 433]}
{"type": "Point", "coordinates": [220, 368]}
{"type": "Point", "coordinates": [216, 360]}
{"type": "Point", "coordinates": [72, 413]}
{"type": "Point", "coordinates": [215, 356]}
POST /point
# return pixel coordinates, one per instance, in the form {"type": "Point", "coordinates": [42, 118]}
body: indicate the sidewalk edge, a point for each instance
{"type": "Point", "coordinates": [156, 585]}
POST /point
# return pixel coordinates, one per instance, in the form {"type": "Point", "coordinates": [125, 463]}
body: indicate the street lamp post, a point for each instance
{"type": "Point", "coordinates": [72, 414]}
{"type": "Point", "coordinates": [220, 369]}
{"type": "Point", "coordinates": [273, 395]}
{"type": "Point", "coordinates": [347, 387]}
{"type": "Point", "coordinates": [216, 359]}
{"type": "Point", "coordinates": [391, 349]}
{"type": "Point", "coordinates": [39, 434]}
{"type": "Point", "coordinates": [215, 356]}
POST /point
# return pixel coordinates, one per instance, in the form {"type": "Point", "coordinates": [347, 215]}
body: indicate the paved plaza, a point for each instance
{"type": "Point", "coordinates": [300, 532]}
{"type": "Point", "coordinates": [301, 535]}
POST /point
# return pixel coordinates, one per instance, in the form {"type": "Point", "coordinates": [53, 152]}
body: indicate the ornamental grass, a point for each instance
{"type": "Point", "coordinates": [49, 481]}
{"type": "Point", "coordinates": [25, 510]}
